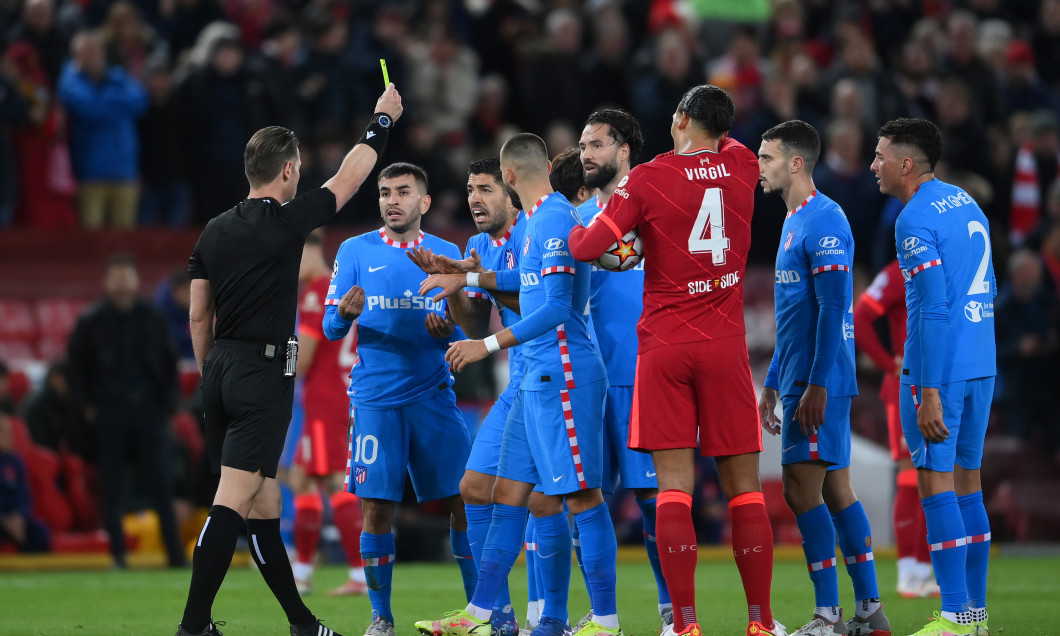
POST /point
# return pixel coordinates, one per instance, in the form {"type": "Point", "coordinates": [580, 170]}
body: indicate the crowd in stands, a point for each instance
{"type": "Point", "coordinates": [135, 113]}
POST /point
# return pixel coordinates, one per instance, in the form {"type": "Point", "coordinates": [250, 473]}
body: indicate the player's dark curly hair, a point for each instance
{"type": "Point", "coordinates": [402, 168]}
{"type": "Point", "coordinates": [917, 133]}
{"type": "Point", "coordinates": [623, 128]}
{"type": "Point", "coordinates": [710, 107]}
{"type": "Point", "coordinates": [492, 167]}
{"type": "Point", "coordinates": [796, 137]}
{"type": "Point", "coordinates": [567, 176]}
{"type": "Point", "coordinates": [267, 152]}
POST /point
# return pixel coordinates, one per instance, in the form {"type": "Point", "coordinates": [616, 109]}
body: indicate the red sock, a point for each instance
{"type": "Point", "coordinates": [908, 517]}
{"type": "Point", "coordinates": [346, 513]}
{"type": "Point", "coordinates": [676, 538]}
{"type": "Point", "coordinates": [752, 546]}
{"type": "Point", "coordinates": [308, 514]}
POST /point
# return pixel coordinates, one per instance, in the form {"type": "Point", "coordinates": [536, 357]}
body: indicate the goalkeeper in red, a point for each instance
{"type": "Point", "coordinates": [693, 386]}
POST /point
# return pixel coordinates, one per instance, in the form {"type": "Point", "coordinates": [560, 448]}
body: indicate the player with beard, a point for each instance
{"type": "Point", "coordinates": [403, 409]}
{"type": "Point", "coordinates": [610, 143]}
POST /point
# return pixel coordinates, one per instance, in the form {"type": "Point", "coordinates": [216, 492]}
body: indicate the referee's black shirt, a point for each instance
{"type": "Point", "coordinates": [251, 254]}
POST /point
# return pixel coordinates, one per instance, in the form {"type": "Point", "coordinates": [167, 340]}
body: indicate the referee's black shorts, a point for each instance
{"type": "Point", "coordinates": [247, 402]}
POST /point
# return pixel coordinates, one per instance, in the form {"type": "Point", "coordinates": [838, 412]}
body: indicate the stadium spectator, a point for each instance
{"type": "Point", "coordinates": [7, 404]}
{"type": "Point", "coordinates": [173, 300]}
{"type": "Point", "coordinates": [17, 523]}
{"type": "Point", "coordinates": [130, 42]}
{"type": "Point", "coordinates": [1028, 341]}
{"type": "Point", "coordinates": [961, 61]}
{"type": "Point", "coordinates": [654, 95]}
{"type": "Point", "coordinates": [14, 111]}
{"type": "Point", "coordinates": [1045, 43]}
{"type": "Point", "coordinates": [553, 60]}
{"type": "Point", "coordinates": [1034, 171]}
{"type": "Point", "coordinates": [49, 416]}
{"type": "Point", "coordinates": [40, 30]}
{"type": "Point", "coordinates": [1023, 90]}
{"type": "Point", "coordinates": [104, 103]}
{"type": "Point", "coordinates": [166, 196]}
{"type": "Point", "coordinates": [123, 386]}
{"type": "Point", "coordinates": [606, 65]}
{"type": "Point", "coordinates": [443, 79]}
{"type": "Point", "coordinates": [184, 20]}
{"type": "Point", "coordinates": [321, 76]}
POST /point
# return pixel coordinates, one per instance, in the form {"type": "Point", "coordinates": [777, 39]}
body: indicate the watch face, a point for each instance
{"type": "Point", "coordinates": [384, 121]}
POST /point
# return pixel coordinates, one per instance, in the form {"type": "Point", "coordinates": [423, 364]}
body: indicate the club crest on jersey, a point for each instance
{"type": "Point", "coordinates": [787, 243]}
{"type": "Point", "coordinates": [509, 258]}
{"type": "Point", "coordinates": [360, 474]}
{"type": "Point", "coordinates": [526, 245]}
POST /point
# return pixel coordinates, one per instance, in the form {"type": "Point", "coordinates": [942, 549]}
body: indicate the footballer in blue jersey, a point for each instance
{"type": "Point", "coordinates": [812, 373]}
{"type": "Point", "coordinates": [610, 142]}
{"type": "Point", "coordinates": [495, 249]}
{"type": "Point", "coordinates": [558, 443]}
{"type": "Point", "coordinates": [404, 410]}
{"type": "Point", "coordinates": [947, 377]}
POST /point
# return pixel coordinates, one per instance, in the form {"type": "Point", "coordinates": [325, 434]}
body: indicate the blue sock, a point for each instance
{"type": "Point", "coordinates": [378, 552]}
{"type": "Point", "coordinates": [818, 544]}
{"type": "Point", "coordinates": [553, 564]}
{"type": "Point", "coordinates": [945, 528]}
{"type": "Point", "coordinates": [499, 553]}
{"type": "Point", "coordinates": [600, 554]}
{"type": "Point", "coordinates": [576, 540]}
{"type": "Point", "coordinates": [855, 540]}
{"type": "Point", "coordinates": [465, 559]}
{"type": "Point", "coordinates": [533, 586]}
{"type": "Point", "coordinates": [977, 527]}
{"type": "Point", "coordinates": [647, 513]}
{"type": "Point", "coordinates": [478, 525]}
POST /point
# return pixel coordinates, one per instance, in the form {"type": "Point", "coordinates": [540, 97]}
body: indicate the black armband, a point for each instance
{"type": "Point", "coordinates": [375, 135]}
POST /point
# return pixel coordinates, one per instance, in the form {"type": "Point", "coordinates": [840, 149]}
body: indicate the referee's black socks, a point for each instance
{"type": "Point", "coordinates": [266, 546]}
{"type": "Point", "coordinates": [213, 555]}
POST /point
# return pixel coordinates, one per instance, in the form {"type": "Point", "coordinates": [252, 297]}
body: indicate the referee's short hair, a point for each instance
{"type": "Point", "coordinates": [267, 152]}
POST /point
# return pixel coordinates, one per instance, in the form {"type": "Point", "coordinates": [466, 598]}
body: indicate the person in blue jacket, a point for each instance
{"type": "Point", "coordinates": [104, 103]}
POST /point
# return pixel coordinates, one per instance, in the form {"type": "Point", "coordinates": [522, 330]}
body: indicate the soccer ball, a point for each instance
{"type": "Point", "coordinates": [622, 255]}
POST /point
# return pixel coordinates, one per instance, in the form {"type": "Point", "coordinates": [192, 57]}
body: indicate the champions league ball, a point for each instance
{"type": "Point", "coordinates": [622, 255]}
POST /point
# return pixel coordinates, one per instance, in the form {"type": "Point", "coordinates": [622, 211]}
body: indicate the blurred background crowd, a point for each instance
{"type": "Point", "coordinates": [128, 119]}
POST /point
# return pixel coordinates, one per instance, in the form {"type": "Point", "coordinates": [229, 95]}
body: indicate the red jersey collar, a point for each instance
{"type": "Point", "coordinates": [392, 243]}
{"type": "Point", "coordinates": [537, 205]}
{"type": "Point", "coordinates": [507, 235]}
{"type": "Point", "coordinates": [803, 204]}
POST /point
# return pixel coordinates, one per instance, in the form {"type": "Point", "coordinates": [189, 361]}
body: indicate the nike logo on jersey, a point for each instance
{"type": "Point", "coordinates": [375, 269]}
{"type": "Point", "coordinates": [789, 448]}
{"type": "Point", "coordinates": [649, 475]}
{"type": "Point", "coordinates": [556, 479]}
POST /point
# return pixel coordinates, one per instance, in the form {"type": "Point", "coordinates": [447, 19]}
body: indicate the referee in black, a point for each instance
{"type": "Point", "coordinates": [244, 273]}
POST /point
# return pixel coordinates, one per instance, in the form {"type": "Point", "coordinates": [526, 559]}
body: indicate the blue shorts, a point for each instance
{"type": "Point", "coordinates": [294, 431]}
{"type": "Point", "coordinates": [486, 451]}
{"type": "Point", "coordinates": [428, 438]}
{"type": "Point", "coordinates": [636, 469]}
{"type": "Point", "coordinates": [965, 411]}
{"type": "Point", "coordinates": [831, 443]}
{"type": "Point", "coordinates": [545, 447]}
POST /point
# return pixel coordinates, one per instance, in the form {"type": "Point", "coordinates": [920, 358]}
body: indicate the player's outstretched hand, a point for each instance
{"type": "Point", "coordinates": [810, 413]}
{"type": "Point", "coordinates": [352, 303]}
{"type": "Point", "coordinates": [929, 417]}
{"type": "Point", "coordinates": [464, 352]}
{"type": "Point", "coordinates": [390, 103]}
{"type": "Point", "coordinates": [439, 327]}
{"type": "Point", "coordinates": [767, 411]}
{"type": "Point", "coordinates": [446, 265]}
{"type": "Point", "coordinates": [424, 259]}
{"type": "Point", "coordinates": [448, 283]}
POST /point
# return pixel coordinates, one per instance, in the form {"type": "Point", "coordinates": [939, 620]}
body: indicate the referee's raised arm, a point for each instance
{"type": "Point", "coordinates": [359, 161]}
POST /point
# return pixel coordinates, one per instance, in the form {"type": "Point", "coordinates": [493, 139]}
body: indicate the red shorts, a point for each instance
{"type": "Point", "coordinates": [889, 393]}
{"type": "Point", "coordinates": [696, 394]}
{"type": "Point", "coordinates": [324, 445]}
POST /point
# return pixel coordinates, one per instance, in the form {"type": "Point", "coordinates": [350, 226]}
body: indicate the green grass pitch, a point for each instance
{"type": "Point", "coordinates": [1024, 599]}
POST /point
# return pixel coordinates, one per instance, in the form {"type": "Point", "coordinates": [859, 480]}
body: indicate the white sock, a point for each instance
{"type": "Point", "coordinates": [867, 607]}
{"type": "Point", "coordinates": [906, 567]}
{"type": "Point", "coordinates": [830, 614]}
{"type": "Point", "coordinates": [978, 614]}
{"type": "Point", "coordinates": [533, 614]}
{"type": "Point", "coordinates": [357, 574]}
{"type": "Point", "coordinates": [480, 613]}
{"type": "Point", "coordinates": [610, 621]}
{"type": "Point", "coordinates": [961, 618]}
{"type": "Point", "coordinates": [302, 571]}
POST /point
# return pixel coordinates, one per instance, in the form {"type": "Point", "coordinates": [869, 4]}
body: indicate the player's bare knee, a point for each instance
{"type": "Point", "coordinates": [378, 515]}
{"type": "Point", "coordinates": [965, 481]}
{"type": "Point", "coordinates": [542, 505]}
{"type": "Point", "coordinates": [584, 500]}
{"type": "Point", "coordinates": [476, 489]}
{"type": "Point", "coordinates": [837, 491]}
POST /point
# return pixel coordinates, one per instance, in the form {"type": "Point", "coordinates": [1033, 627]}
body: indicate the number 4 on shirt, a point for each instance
{"type": "Point", "coordinates": [712, 213]}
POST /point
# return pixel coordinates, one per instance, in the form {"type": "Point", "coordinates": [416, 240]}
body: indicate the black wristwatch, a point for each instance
{"type": "Point", "coordinates": [383, 120]}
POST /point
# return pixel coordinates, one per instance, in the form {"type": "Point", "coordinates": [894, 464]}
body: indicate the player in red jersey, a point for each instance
{"type": "Point", "coordinates": [885, 297]}
{"type": "Point", "coordinates": [320, 460]}
{"type": "Point", "coordinates": [693, 210]}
